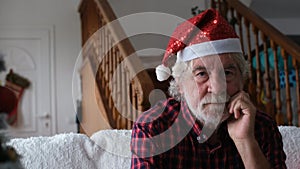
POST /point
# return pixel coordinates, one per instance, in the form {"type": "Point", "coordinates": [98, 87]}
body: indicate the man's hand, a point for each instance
{"type": "Point", "coordinates": [241, 125]}
{"type": "Point", "coordinates": [241, 130]}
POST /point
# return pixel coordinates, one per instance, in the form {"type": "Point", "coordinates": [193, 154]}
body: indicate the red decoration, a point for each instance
{"type": "Point", "coordinates": [8, 100]}
{"type": "Point", "coordinates": [204, 27]}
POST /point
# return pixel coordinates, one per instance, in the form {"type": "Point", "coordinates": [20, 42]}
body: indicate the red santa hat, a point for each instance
{"type": "Point", "coordinates": [205, 34]}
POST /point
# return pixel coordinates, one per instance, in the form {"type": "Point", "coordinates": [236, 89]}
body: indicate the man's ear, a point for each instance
{"type": "Point", "coordinates": [179, 86]}
{"type": "Point", "coordinates": [180, 90]}
{"type": "Point", "coordinates": [244, 84]}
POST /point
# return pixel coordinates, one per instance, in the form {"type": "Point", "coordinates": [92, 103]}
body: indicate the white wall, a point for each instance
{"type": "Point", "coordinates": [63, 15]}
{"type": "Point", "coordinates": [155, 43]}
{"type": "Point", "coordinates": [176, 7]}
{"type": "Point", "coordinates": [288, 26]}
{"type": "Point", "coordinates": [285, 19]}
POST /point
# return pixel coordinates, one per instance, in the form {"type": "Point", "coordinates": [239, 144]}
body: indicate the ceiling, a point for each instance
{"type": "Point", "coordinates": [276, 8]}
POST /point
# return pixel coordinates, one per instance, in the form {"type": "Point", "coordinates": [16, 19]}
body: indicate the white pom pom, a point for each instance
{"type": "Point", "coordinates": [162, 72]}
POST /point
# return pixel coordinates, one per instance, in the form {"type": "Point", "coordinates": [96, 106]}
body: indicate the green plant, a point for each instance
{"type": "Point", "coordinates": [9, 158]}
{"type": "Point", "coordinates": [195, 10]}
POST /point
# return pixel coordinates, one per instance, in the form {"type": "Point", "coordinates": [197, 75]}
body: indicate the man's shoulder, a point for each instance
{"type": "Point", "coordinates": [263, 118]}
{"type": "Point", "coordinates": [264, 124]}
{"type": "Point", "coordinates": [164, 111]}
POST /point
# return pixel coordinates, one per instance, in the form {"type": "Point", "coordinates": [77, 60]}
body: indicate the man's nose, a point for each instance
{"type": "Point", "coordinates": [217, 83]}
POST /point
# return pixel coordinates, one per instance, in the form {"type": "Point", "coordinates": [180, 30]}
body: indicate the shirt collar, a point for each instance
{"type": "Point", "coordinates": [191, 119]}
{"type": "Point", "coordinates": [196, 126]}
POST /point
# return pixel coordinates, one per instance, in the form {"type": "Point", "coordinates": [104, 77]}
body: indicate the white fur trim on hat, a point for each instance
{"type": "Point", "coordinates": [162, 72]}
{"type": "Point", "coordinates": [230, 45]}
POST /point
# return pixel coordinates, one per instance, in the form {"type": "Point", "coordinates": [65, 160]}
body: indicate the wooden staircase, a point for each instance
{"type": "Point", "coordinates": [254, 32]}
{"type": "Point", "coordinates": [123, 85]}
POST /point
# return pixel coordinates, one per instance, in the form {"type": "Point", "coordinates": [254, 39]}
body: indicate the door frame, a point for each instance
{"type": "Point", "coordinates": [46, 34]}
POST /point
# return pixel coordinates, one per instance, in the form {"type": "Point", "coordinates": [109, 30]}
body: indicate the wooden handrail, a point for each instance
{"type": "Point", "coordinates": [115, 51]}
{"type": "Point", "coordinates": [144, 82]}
{"type": "Point", "coordinates": [265, 37]}
{"type": "Point", "coordinates": [123, 84]}
{"type": "Point", "coordinates": [291, 47]}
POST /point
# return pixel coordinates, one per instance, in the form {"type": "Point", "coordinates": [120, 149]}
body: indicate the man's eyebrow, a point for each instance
{"type": "Point", "coordinates": [197, 68]}
{"type": "Point", "coordinates": [231, 66]}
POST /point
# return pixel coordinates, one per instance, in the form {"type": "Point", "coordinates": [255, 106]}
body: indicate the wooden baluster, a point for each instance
{"type": "Point", "coordinates": [278, 115]}
{"type": "Point", "coordinates": [128, 113]}
{"type": "Point", "coordinates": [95, 62]}
{"type": "Point", "coordinates": [102, 64]}
{"type": "Point", "coordinates": [222, 8]}
{"type": "Point", "coordinates": [251, 86]}
{"type": "Point", "coordinates": [101, 47]}
{"type": "Point", "coordinates": [296, 67]}
{"type": "Point", "coordinates": [110, 75]}
{"type": "Point", "coordinates": [232, 17]}
{"type": "Point", "coordinates": [213, 4]}
{"type": "Point", "coordinates": [91, 51]}
{"type": "Point", "coordinates": [287, 88]}
{"type": "Point", "coordinates": [125, 112]}
{"type": "Point", "coordinates": [100, 20]}
{"type": "Point", "coordinates": [240, 25]}
{"type": "Point", "coordinates": [106, 64]}
{"type": "Point", "coordinates": [219, 5]}
{"type": "Point", "coordinates": [114, 82]}
{"type": "Point", "coordinates": [128, 101]}
{"type": "Point", "coordinates": [98, 50]}
{"type": "Point", "coordinates": [84, 31]}
{"type": "Point", "coordinates": [100, 77]}
{"type": "Point", "coordinates": [135, 105]}
{"type": "Point", "coordinates": [97, 39]}
{"type": "Point", "coordinates": [95, 48]}
{"type": "Point", "coordinates": [120, 87]}
{"type": "Point", "coordinates": [140, 105]}
{"type": "Point", "coordinates": [268, 96]}
{"type": "Point", "coordinates": [130, 107]}
{"type": "Point", "coordinates": [107, 75]}
{"type": "Point", "coordinates": [124, 92]}
{"type": "Point", "coordinates": [258, 73]}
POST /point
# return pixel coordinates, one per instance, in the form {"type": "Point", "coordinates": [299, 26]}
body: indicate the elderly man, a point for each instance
{"type": "Point", "coordinates": [210, 122]}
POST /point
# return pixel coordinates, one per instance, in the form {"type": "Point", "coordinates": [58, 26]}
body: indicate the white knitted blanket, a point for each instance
{"type": "Point", "coordinates": [107, 149]}
{"type": "Point", "coordinates": [291, 145]}
{"type": "Point", "coordinates": [67, 151]}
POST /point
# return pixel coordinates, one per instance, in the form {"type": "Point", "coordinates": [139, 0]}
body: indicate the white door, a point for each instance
{"type": "Point", "coordinates": [28, 51]}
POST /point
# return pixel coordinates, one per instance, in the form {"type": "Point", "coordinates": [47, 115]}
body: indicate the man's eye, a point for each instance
{"type": "Point", "coordinates": [201, 74]}
{"type": "Point", "coordinates": [228, 72]}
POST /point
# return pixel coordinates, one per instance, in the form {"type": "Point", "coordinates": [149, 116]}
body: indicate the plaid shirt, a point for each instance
{"type": "Point", "coordinates": [166, 137]}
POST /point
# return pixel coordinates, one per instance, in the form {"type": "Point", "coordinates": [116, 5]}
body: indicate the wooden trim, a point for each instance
{"type": "Point", "coordinates": [95, 15]}
{"type": "Point", "coordinates": [279, 38]}
{"type": "Point", "coordinates": [265, 38]}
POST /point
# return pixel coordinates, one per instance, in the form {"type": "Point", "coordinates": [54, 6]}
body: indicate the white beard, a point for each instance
{"type": "Point", "coordinates": [211, 110]}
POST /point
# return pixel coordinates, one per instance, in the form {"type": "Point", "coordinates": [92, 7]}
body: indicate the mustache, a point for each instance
{"type": "Point", "coordinates": [211, 98]}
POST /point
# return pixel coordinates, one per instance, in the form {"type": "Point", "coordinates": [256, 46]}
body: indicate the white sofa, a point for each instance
{"type": "Point", "coordinates": [107, 149]}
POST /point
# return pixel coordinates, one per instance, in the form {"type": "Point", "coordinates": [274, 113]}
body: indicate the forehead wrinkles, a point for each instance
{"type": "Point", "coordinates": [208, 63]}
